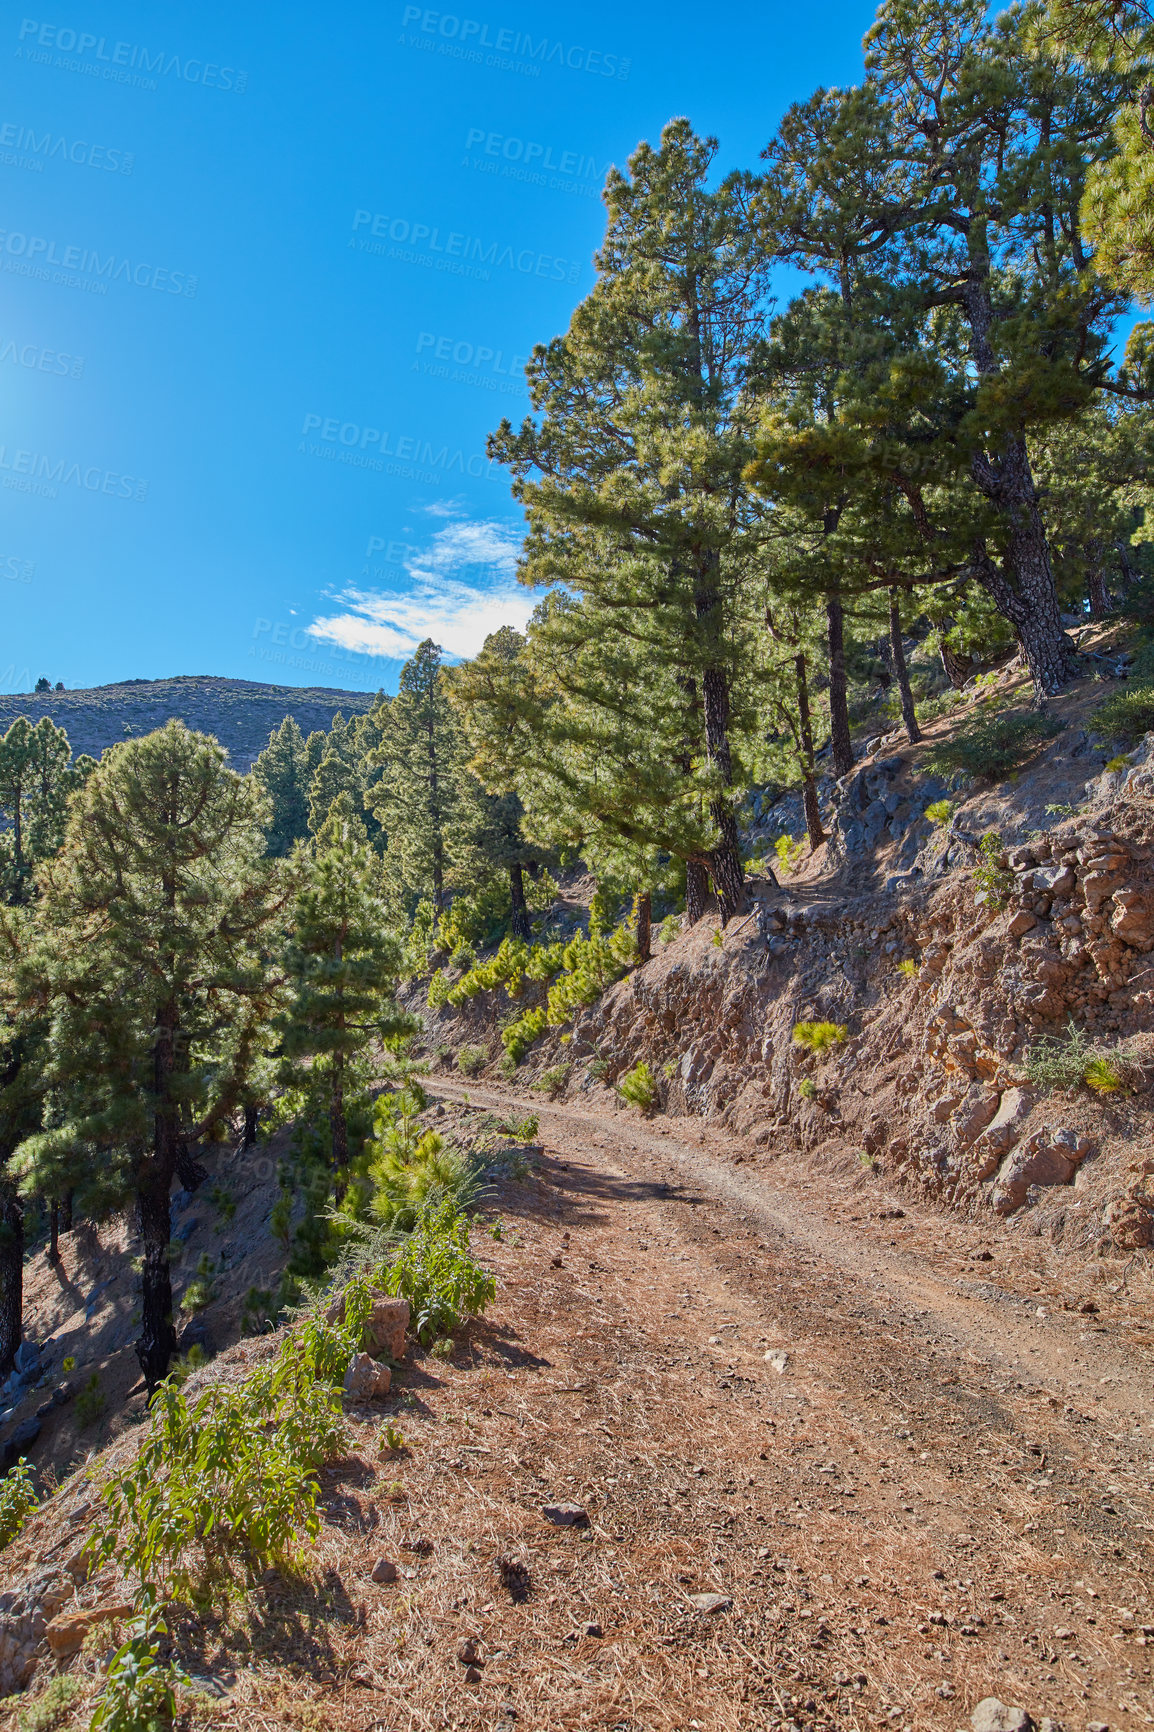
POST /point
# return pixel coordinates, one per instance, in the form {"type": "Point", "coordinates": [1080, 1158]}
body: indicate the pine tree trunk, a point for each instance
{"type": "Point", "coordinates": [957, 670]}
{"type": "Point", "coordinates": [909, 712]}
{"type": "Point", "coordinates": [66, 1211]}
{"type": "Point", "coordinates": [838, 687]}
{"type": "Point", "coordinates": [53, 1252]}
{"type": "Point", "coordinates": [696, 891]}
{"type": "Point", "coordinates": [338, 1124]}
{"type": "Point", "coordinates": [644, 931]}
{"type": "Point", "coordinates": [805, 735]}
{"type": "Point", "coordinates": [725, 858]}
{"type": "Point", "coordinates": [157, 1342]}
{"type": "Point", "coordinates": [1099, 595]}
{"type": "Point", "coordinates": [520, 921]}
{"type": "Point", "coordinates": [251, 1121]}
{"type": "Point", "coordinates": [11, 1276]}
{"type": "Point", "coordinates": [188, 1169]}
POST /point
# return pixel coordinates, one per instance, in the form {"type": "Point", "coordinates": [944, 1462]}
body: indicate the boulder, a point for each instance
{"type": "Point", "coordinates": [990, 1715]}
{"type": "Point", "coordinates": [1129, 1223]}
{"type": "Point", "coordinates": [385, 1326]}
{"type": "Point", "coordinates": [66, 1633]}
{"type": "Point", "coordinates": [565, 1515]}
{"type": "Point", "coordinates": [1022, 923]}
{"type": "Point", "coordinates": [1045, 1158]}
{"type": "Point", "coordinates": [1001, 1133]}
{"type": "Point", "coordinates": [365, 1379]}
{"type": "Point", "coordinates": [1133, 918]}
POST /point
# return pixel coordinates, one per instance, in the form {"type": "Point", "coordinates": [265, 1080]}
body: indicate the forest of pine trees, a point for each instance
{"type": "Point", "coordinates": [751, 522]}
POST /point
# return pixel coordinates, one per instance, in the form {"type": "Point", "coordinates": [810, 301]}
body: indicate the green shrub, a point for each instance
{"type": "Point", "coordinates": [908, 967]}
{"type": "Point", "coordinates": [995, 882]}
{"type": "Point", "coordinates": [200, 1291]}
{"type": "Point", "coordinates": [939, 812]}
{"type": "Point", "coordinates": [472, 1059]}
{"type": "Point", "coordinates": [518, 1036]}
{"type": "Point", "coordinates": [992, 747]}
{"type": "Point", "coordinates": [17, 1500]}
{"type": "Point", "coordinates": [807, 1088]}
{"type": "Point", "coordinates": [598, 1069]}
{"type": "Point", "coordinates": [818, 1037]}
{"type": "Point", "coordinates": [409, 1164]}
{"type": "Point", "coordinates": [231, 1482]}
{"type": "Point", "coordinates": [507, 1065]}
{"type": "Point", "coordinates": [1127, 714]}
{"type": "Point", "coordinates": [553, 1080]}
{"type": "Point", "coordinates": [789, 851]}
{"type": "Point", "coordinates": [438, 989]}
{"type": "Point", "coordinates": [438, 1274]}
{"type": "Point", "coordinates": [52, 1707]}
{"type": "Point", "coordinates": [1121, 762]}
{"type": "Point", "coordinates": [90, 1403]}
{"type": "Point", "coordinates": [139, 1692]}
{"type": "Point", "coordinates": [669, 928]}
{"type": "Point", "coordinates": [522, 1130]}
{"type": "Point", "coordinates": [223, 1202]}
{"type": "Point", "coordinates": [1070, 1060]}
{"type": "Point", "coordinates": [639, 1086]}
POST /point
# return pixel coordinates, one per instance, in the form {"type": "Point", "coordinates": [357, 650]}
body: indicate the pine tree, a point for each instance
{"type": "Point", "coordinates": [955, 174]}
{"type": "Point", "coordinates": [631, 476]}
{"type": "Point", "coordinates": [21, 1059]}
{"type": "Point", "coordinates": [282, 773]}
{"type": "Point", "coordinates": [424, 789]}
{"type": "Point", "coordinates": [344, 964]}
{"type": "Point", "coordinates": [149, 953]}
{"type": "Point", "coordinates": [37, 778]}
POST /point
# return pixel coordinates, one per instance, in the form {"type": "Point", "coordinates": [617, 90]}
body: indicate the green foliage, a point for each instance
{"type": "Point", "coordinates": [37, 781]}
{"type": "Point", "coordinates": [939, 812]}
{"type": "Point", "coordinates": [908, 967]}
{"type": "Point", "coordinates": [598, 1068]}
{"type": "Point", "coordinates": [552, 1081]}
{"type": "Point", "coordinates": [1121, 762]}
{"type": "Point", "coordinates": [223, 1202]}
{"type": "Point", "coordinates": [669, 928]}
{"type": "Point", "coordinates": [438, 1274]}
{"type": "Point", "coordinates": [52, 1707]}
{"type": "Point", "coordinates": [807, 1088]}
{"type": "Point", "coordinates": [789, 851]}
{"type": "Point", "coordinates": [639, 1086]}
{"type": "Point", "coordinates": [993, 877]}
{"type": "Point", "coordinates": [390, 1438]}
{"type": "Point", "coordinates": [1126, 714]}
{"type": "Point", "coordinates": [517, 1037]}
{"type": "Point", "coordinates": [438, 989]}
{"type": "Point", "coordinates": [992, 747]}
{"type": "Point", "coordinates": [471, 1059]}
{"type": "Point", "coordinates": [1073, 1059]}
{"type": "Point", "coordinates": [139, 1692]}
{"type": "Point", "coordinates": [522, 1130]}
{"type": "Point", "coordinates": [819, 1037]}
{"type": "Point", "coordinates": [411, 1165]}
{"type": "Point", "coordinates": [17, 1500]}
{"type": "Point", "coordinates": [283, 774]}
{"type": "Point", "coordinates": [90, 1404]}
{"type": "Point", "coordinates": [200, 1291]}
{"type": "Point", "coordinates": [229, 1484]}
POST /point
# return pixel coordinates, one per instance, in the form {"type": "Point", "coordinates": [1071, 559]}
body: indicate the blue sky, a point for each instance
{"type": "Point", "coordinates": [268, 279]}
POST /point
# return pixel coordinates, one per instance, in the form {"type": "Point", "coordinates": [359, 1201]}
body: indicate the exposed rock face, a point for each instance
{"type": "Point", "coordinates": [25, 1615]}
{"type": "Point", "coordinates": [366, 1379]}
{"type": "Point", "coordinates": [1044, 1158]}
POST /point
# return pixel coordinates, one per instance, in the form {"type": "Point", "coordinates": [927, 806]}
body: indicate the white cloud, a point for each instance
{"type": "Point", "coordinates": [456, 614]}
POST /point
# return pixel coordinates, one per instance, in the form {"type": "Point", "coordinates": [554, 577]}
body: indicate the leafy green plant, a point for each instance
{"type": "Point", "coordinates": [992, 747]}
{"type": "Point", "coordinates": [442, 1348]}
{"type": "Point", "coordinates": [507, 1065]}
{"type": "Point", "coordinates": [68, 1363]}
{"type": "Point", "coordinates": [908, 967]}
{"type": "Point", "coordinates": [139, 1693]}
{"type": "Point", "coordinates": [230, 1482]}
{"type": "Point", "coordinates": [807, 1088]}
{"type": "Point", "coordinates": [438, 989]}
{"type": "Point", "coordinates": [994, 880]}
{"type": "Point", "coordinates": [1127, 714]}
{"type": "Point", "coordinates": [409, 1163]}
{"type": "Point", "coordinates": [438, 1274]}
{"type": "Point", "coordinates": [518, 1036]}
{"type": "Point", "coordinates": [200, 1291]}
{"type": "Point", "coordinates": [717, 939]}
{"type": "Point", "coordinates": [598, 1068]}
{"type": "Point", "coordinates": [939, 812]}
{"type": "Point", "coordinates": [223, 1202]}
{"type": "Point", "coordinates": [52, 1707]}
{"type": "Point", "coordinates": [522, 1130]}
{"type": "Point", "coordinates": [1103, 1077]}
{"type": "Point", "coordinates": [90, 1403]}
{"type": "Point", "coordinates": [639, 1086]}
{"type": "Point", "coordinates": [819, 1037]}
{"type": "Point", "coordinates": [1061, 1061]}
{"type": "Point", "coordinates": [669, 928]}
{"type": "Point", "coordinates": [553, 1080]}
{"type": "Point", "coordinates": [789, 850]}
{"type": "Point", "coordinates": [17, 1500]}
{"type": "Point", "coordinates": [472, 1059]}
{"type": "Point", "coordinates": [1120, 762]}
{"type": "Point", "coordinates": [390, 1438]}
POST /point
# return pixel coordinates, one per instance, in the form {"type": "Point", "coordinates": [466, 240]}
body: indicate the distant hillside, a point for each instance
{"type": "Point", "coordinates": [241, 713]}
